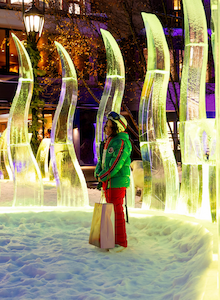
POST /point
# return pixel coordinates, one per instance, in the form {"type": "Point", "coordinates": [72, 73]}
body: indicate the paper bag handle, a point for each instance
{"type": "Point", "coordinates": [102, 200]}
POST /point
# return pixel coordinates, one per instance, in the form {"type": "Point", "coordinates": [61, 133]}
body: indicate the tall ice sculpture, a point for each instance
{"type": "Point", "coordinates": [114, 84]}
{"type": "Point", "coordinates": [161, 182]}
{"type": "Point", "coordinates": [113, 93]}
{"type": "Point", "coordinates": [70, 181]}
{"type": "Point", "coordinates": [28, 188]}
{"type": "Point", "coordinates": [215, 9]}
{"type": "Point", "coordinates": [196, 131]}
{"type": "Point", "coordinates": [212, 168]}
{"type": "Point", "coordinates": [42, 158]}
{"type": "Point", "coordinates": [5, 169]}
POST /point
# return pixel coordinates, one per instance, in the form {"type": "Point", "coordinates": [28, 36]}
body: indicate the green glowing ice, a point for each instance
{"type": "Point", "coordinates": [114, 84]}
{"type": "Point", "coordinates": [43, 157]}
{"type": "Point", "coordinates": [26, 174]}
{"type": "Point", "coordinates": [196, 132]}
{"type": "Point", "coordinates": [192, 94]}
{"type": "Point", "coordinates": [70, 181]}
{"type": "Point", "coordinates": [112, 95]}
{"type": "Point", "coordinates": [161, 182]}
{"type": "Point", "coordinates": [212, 168]}
{"type": "Point", "coordinates": [4, 166]}
{"type": "Point", "coordinates": [215, 9]}
{"type": "Point", "coordinates": [214, 23]}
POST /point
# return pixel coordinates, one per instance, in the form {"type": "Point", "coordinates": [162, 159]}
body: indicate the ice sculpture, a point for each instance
{"type": "Point", "coordinates": [114, 84]}
{"type": "Point", "coordinates": [70, 181]}
{"type": "Point", "coordinates": [4, 167]}
{"type": "Point", "coordinates": [112, 95]}
{"type": "Point", "coordinates": [195, 130]}
{"type": "Point", "coordinates": [130, 193]}
{"type": "Point", "coordinates": [214, 24]}
{"type": "Point", "coordinates": [212, 168]}
{"type": "Point", "coordinates": [43, 157]}
{"type": "Point", "coordinates": [215, 9]}
{"type": "Point", "coordinates": [28, 188]}
{"type": "Point", "coordinates": [161, 182]}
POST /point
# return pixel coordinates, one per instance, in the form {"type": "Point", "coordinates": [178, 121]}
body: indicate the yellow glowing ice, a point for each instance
{"type": "Point", "coordinates": [28, 188]}
{"type": "Point", "coordinates": [5, 167]}
{"type": "Point", "coordinates": [196, 132]}
{"type": "Point", "coordinates": [70, 181]}
{"type": "Point", "coordinates": [215, 9]}
{"type": "Point", "coordinates": [161, 182]}
{"type": "Point", "coordinates": [112, 95]}
{"type": "Point", "coordinates": [114, 84]}
{"type": "Point", "coordinates": [43, 157]}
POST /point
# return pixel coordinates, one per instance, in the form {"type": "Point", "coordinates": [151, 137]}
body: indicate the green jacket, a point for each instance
{"type": "Point", "coordinates": [116, 167]}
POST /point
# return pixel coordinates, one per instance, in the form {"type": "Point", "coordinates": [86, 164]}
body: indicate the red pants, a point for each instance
{"type": "Point", "coordinates": [116, 196]}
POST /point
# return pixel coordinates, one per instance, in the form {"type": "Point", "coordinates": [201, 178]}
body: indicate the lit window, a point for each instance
{"type": "Point", "coordinates": [20, 1]}
{"type": "Point", "coordinates": [71, 9]}
{"type": "Point", "coordinates": [28, 2]}
{"type": "Point", "coordinates": [59, 3]}
{"type": "Point", "coordinates": [176, 5]}
{"type": "Point", "coordinates": [74, 8]}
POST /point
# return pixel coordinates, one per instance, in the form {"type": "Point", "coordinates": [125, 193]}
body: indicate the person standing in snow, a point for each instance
{"type": "Point", "coordinates": [113, 170]}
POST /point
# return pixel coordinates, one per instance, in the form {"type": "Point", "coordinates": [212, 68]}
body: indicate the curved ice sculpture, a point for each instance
{"type": "Point", "coordinates": [114, 84]}
{"type": "Point", "coordinates": [214, 24]}
{"type": "Point", "coordinates": [212, 167]}
{"type": "Point", "coordinates": [4, 166]}
{"type": "Point", "coordinates": [192, 93]}
{"type": "Point", "coordinates": [161, 182]}
{"type": "Point", "coordinates": [215, 9]}
{"type": "Point", "coordinates": [26, 174]}
{"type": "Point", "coordinates": [70, 181]}
{"type": "Point", "coordinates": [112, 95]}
{"type": "Point", "coordinates": [194, 130]}
{"type": "Point", "coordinates": [43, 157]}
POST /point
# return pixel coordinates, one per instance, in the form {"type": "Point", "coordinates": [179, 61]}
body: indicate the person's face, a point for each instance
{"type": "Point", "coordinates": [108, 128]}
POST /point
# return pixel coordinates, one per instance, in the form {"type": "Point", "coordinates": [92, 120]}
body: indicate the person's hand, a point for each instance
{"type": "Point", "coordinates": [99, 186]}
{"type": "Point", "coordinates": [99, 180]}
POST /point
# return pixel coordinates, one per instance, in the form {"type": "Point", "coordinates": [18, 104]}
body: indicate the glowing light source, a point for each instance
{"type": "Point", "coordinates": [34, 20]}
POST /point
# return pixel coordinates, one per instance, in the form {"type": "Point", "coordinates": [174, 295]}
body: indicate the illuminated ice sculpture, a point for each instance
{"type": "Point", "coordinates": [212, 169]}
{"type": "Point", "coordinates": [28, 187]}
{"type": "Point", "coordinates": [215, 9]}
{"type": "Point", "coordinates": [161, 182]}
{"type": "Point", "coordinates": [114, 85]}
{"type": "Point", "coordinates": [196, 132]}
{"type": "Point", "coordinates": [70, 181]}
{"type": "Point", "coordinates": [112, 95]}
{"type": "Point", "coordinates": [43, 158]}
{"type": "Point", "coordinates": [5, 169]}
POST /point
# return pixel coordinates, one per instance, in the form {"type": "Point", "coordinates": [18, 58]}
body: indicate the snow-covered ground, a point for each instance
{"type": "Point", "coordinates": [46, 255]}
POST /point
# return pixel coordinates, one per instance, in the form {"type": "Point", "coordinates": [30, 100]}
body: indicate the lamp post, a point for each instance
{"type": "Point", "coordinates": [34, 22]}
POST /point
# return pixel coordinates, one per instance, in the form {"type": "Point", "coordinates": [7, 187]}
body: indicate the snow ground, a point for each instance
{"type": "Point", "coordinates": [46, 255]}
